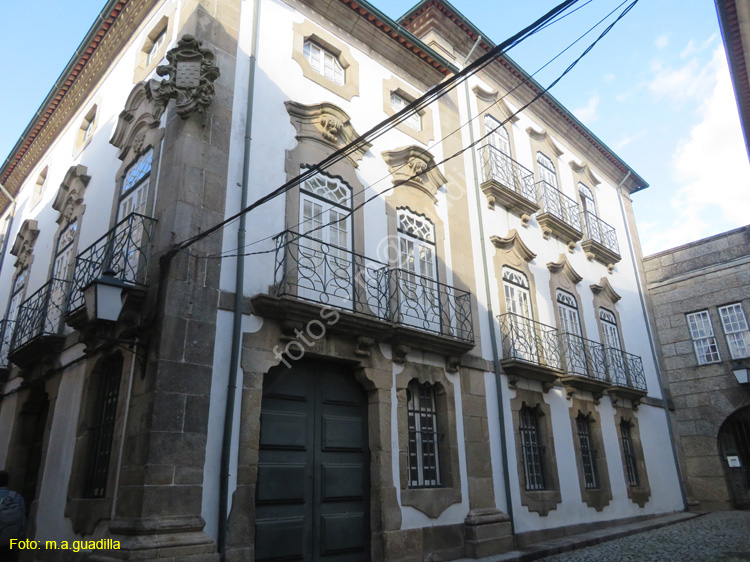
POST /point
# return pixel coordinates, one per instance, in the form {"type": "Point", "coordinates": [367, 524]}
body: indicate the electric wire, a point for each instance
{"type": "Point", "coordinates": [225, 253]}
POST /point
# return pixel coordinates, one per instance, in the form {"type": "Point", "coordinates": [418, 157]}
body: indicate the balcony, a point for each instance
{"type": "Point", "coordinates": [559, 215]}
{"type": "Point", "coordinates": [507, 183]}
{"type": "Point", "coordinates": [626, 374]}
{"type": "Point", "coordinates": [124, 249]}
{"type": "Point", "coordinates": [6, 333]}
{"type": "Point", "coordinates": [39, 323]}
{"type": "Point", "coordinates": [531, 350]}
{"type": "Point", "coordinates": [600, 240]}
{"type": "Point", "coordinates": [377, 301]}
{"type": "Point", "coordinates": [585, 364]}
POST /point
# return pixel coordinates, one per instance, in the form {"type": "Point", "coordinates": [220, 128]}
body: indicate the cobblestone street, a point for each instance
{"type": "Point", "coordinates": [716, 537]}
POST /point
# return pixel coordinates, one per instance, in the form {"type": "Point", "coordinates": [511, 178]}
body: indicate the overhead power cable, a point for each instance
{"type": "Point", "coordinates": [541, 93]}
{"type": "Point", "coordinates": [236, 251]}
{"type": "Point", "coordinates": [385, 125]}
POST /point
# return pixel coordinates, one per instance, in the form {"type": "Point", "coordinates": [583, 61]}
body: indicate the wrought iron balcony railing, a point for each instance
{"type": "Point", "coordinates": [124, 249]}
{"type": "Point", "coordinates": [6, 333]}
{"type": "Point", "coordinates": [498, 166]}
{"type": "Point", "coordinates": [556, 203]}
{"type": "Point", "coordinates": [625, 369]}
{"type": "Point", "coordinates": [530, 341]}
{"type": "Point", "coordinates": [316, 271]}
{"type": "Point", "coordinates": [583, 357]}
{"type": "Point", "coordinates": [599, 231]}
{"type": "Point", "coordinates": [42, 313]}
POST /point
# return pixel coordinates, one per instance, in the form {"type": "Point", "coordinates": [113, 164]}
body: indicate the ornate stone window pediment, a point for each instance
{"type": "Point", "coordinates": [23, 247]}
{"type": "Point", "coordinates": [544, 138]}
{"type": "Point", "coordinates": [327, 124]}
{"type": "Point", "coordinates": [69, 198]}
{"type": "Point", "coordinates": [516, 251]}
{"type": "Point", "coordinates": [605, 289]}
{"type": "Point", "coordinates": [415, 167]}
{"type": "Point", "coordinates": [562, 266]}
{"type": "Point", "coordinates": [584, 169]}
{"type": "Point", "coordinates": [491, 97]}
{"type": "Point", "coordinates": [137, 124]}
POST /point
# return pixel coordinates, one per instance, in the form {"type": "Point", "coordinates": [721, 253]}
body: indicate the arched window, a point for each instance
{"type": "Point", "coordinates": [588, 453]}
{"type": "Point", "coordinates": [546, 170]}
{"type": "Point", "coordinates": [39, 186]}
{"type": "Point", "coordinates": [517, 295]}
{"type": "Point", "coordinates": [609, 326]}
{"type": "Point", "coordinates": [498, 135]}
{"type": "Point", "coordinates": [323, 62]}
{"type": "Point", "coordinates": [134, 187]}
{"type": "Point", "coordinates": [588, 205]}
{"type": "Point", "coordinates": [418, 289]}
{"type": "Point", "coordinates": [424, 466]}
{"type": "Point", "coordinates": [532, 448]}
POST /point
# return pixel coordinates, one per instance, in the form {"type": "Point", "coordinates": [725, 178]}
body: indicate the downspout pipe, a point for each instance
{"type": "Point", "coordinates": [651, 339]}
{"type": "Point", "coordinates": [10, 224]}
{"type": "Point", "coordinates": [239, 291]}
{"type": "Point", "coordinates": [490, 313]}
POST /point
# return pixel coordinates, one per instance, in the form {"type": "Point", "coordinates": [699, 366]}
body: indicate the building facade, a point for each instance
{"type": "Point", "coordinates": [434, 346]}
{"type": "Point", "coordinates": [700, 293]}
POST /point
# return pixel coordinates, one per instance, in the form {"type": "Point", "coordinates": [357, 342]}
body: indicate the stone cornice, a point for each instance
{"type": "Point", "coordinates": [585, 171]}
{"type": "Point", "coordinates": [23, 247]}
{"type": "Point", "coordinates": [491, 97]}
{"type": "Point", "coordinates": [543, 137]}
{"type": "Point", "coordinates": [88, 66]}
{"type": "Point", "coordinates": [71, 189]}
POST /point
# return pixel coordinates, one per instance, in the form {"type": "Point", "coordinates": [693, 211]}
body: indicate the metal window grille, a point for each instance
{"type": "Point", "coordinates": [533, 451]}
{"type": "Point", "coordinates": [704, 342]}
{"type": "Point", "coordinates": [102, 430]}
{"type": "Point", "coordinates": [736, 330]}
{"type": "Point", "coordinates": [631, 464]}
{"type": "Point", "coordinates": [424, 469]}
{"type": "Point", "coordinates": [588, 453]}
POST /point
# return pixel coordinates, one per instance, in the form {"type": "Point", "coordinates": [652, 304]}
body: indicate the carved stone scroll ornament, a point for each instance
{"type": "Point", "coordinates": [191, 74]}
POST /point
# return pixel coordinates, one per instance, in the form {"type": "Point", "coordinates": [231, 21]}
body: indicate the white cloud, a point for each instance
{"type": "Point", "coordinates": [625, 140]}
{"type": "Point", "coordinates": [609, 78]}
{"type": "Point", "coordinates": [691, 81]}
{"type": "Point", "coordinates": [712, 166]}
{"type": "Point", "coordinates": [689, 49]}
{"type": "Point", "coordinates": [661, 41]}
{"type": "Point", "coordinates": [587, 113]}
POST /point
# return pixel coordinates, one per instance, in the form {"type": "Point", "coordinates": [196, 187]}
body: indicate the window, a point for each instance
{"type": "Point", "coordinates": [418, 291]}
{"type": "Point", "coordinates": [41, 182]}
{"type": "Point", "coordinates": [533, 450]}
{"type": "Point", "coordinates": [609, 326]}
{"type": "Point", "coordinates": [631, 464]}
{"type": "Point", "coordinates": [324, 62]}
{"type": "Point", "coordinates": [398, 103]}
{"type": "Point", "coordinates": [108, 374]}
{"type": "Point", "coordinates": [424, 469]}
{"type": "Point", "coordinates": [588, 205]}
{"type": "Point", "coordinates": [325, 261]}
{"type": "Point", "coordinates": [134, 188]}
{"type": "Point", "coordinates": [572, 333]}
{"type": "Point", "coordinates": [153, 50]}
{"type": "Point", "coordinates": [588, 453]}
{"type": "Point", "coordinates": [704, 342]}
{"type": "Point", "coordinates": [546, 170]}
{"type": "Point", "coordinates": [734, 321]}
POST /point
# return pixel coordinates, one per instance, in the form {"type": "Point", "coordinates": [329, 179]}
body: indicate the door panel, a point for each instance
{"type": "Point", "coordinates": [312, 496]}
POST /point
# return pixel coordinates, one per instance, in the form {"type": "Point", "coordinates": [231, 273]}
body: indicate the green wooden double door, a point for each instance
{"type": "Point", "coordinates": [313, 490]}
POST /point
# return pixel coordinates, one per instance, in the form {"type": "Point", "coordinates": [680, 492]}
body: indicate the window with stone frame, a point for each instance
{"type": "Point", "coordinates": [424, 462]}
{"type": "Point", "coordinates": [736, 330]}
{"type": "Point", "coordinates": [587, 452]}
{"type": "Point", "coordinates": [86, 129]}
{"type": "Point", "coordinates": [399, 102]}
{"type": "Point", "coordinates": [532, 448]}
{"type": "Point", "coordinates": [39, 187]}
{"type": "Point", "coordinates": [107, 375]}
{"type": "Point", "coordinates": [628, 451]}
{"type": "Point", "coordinates": [704, 341]}
{"type": "Point", "coordinates": [324, 62]}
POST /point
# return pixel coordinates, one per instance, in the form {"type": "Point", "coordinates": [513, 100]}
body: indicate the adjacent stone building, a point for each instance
{"type": "Point", "coordinates": [433, 346]}
{"type": "Point", "coordinates": [700, 293]}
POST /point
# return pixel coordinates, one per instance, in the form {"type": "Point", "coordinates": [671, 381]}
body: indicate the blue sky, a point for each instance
{"type": "Point", "coordinates": [656, 90]}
